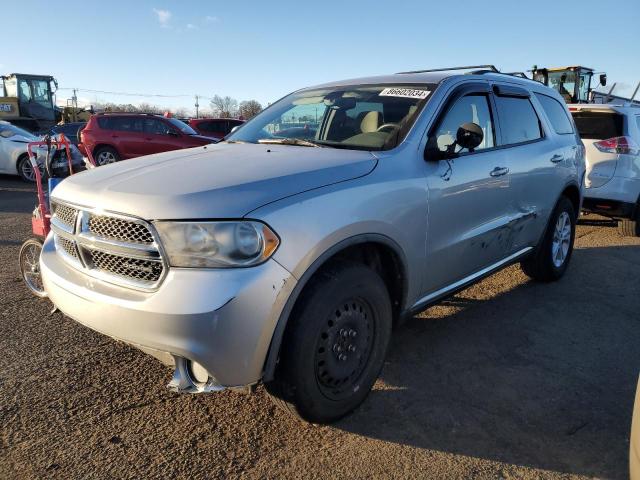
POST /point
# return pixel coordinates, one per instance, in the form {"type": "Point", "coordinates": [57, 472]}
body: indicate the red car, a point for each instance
{"type": "Point", "coordinates": [116, 136]}
{"type": "Point", "coordinates": [214, 127]}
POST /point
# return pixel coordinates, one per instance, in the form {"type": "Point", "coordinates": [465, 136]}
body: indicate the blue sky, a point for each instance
{"type": "Point", "coordinates": [264, 50]}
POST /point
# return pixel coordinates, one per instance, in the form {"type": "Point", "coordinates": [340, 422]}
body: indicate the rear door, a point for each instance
{"type": "Point", "coordinates": [468, 194]}
{"type": "Point", "coordinates": [536, 156]}
{"type": "Point", "coordinates": [126, 135]}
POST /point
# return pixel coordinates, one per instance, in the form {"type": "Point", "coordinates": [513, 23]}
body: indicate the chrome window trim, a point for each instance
{"type": "Point", "coordinates": [84, 240]}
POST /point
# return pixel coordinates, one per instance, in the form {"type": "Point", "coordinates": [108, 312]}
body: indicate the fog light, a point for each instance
{"type": "Point", "coordinates": [198, 372]}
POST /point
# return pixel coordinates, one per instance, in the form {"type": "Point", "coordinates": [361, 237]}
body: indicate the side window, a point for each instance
{"type": "Point", "coordinates": [557, 114]}
{"type": "Point", "coordinates": [471, 108]}
{"type": "Point", "coordinates": [122, 124]}
{"type": "Point", "coordinates": [156, 127]}
{"type": "Point", "coordinates": [518, 120]}
{"type": "Point", "coordinates": [638, 122]}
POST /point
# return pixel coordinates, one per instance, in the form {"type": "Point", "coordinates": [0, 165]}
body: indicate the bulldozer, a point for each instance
{"type": "Point", "coordinates": [27, 101]}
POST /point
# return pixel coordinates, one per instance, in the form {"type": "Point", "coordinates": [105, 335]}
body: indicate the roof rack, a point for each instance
{"type": "Point", "coordinates": [490, 68]}
{"type": "Point", "coordinates": [129, 113]}
{"type": "Point", "coordinates": [517, 74]}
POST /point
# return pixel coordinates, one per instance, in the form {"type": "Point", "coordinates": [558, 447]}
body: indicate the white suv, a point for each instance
{"type": "Point", "coordinates": [611, 135]}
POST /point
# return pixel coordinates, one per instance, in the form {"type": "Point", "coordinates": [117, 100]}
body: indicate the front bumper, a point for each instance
{"type": "Point", "coordinates": [223, 319]}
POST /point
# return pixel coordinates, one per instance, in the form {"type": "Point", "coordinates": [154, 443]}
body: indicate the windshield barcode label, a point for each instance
{"type": "Point", "coordinates": [405, 93]}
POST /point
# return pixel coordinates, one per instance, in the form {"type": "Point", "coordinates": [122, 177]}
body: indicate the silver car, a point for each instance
{"type": "Point", "coordinates": [611, 134]}
{"type": "Point", "coordinates": [14, 159]}
{"type": "Point", "coordinates": [281, 260]}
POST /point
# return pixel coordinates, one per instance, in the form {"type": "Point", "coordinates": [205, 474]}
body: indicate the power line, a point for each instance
{"type": "Point", "coordinates": [130, 94]}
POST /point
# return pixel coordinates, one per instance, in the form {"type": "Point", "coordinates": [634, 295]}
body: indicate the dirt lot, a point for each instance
{"type": "Point", "coordinates": [509, 379]}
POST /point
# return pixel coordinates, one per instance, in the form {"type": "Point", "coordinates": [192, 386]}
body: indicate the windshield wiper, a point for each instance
{"type": "Point", "coordinates": [290, 141]}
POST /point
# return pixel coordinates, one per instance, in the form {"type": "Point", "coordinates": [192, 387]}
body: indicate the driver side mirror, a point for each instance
{"type": "Point", "coordinates": [173, 133]}
{"type": "Point", "coordinates": [469, 136]}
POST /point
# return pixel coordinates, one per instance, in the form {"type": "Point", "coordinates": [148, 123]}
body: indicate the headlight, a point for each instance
{"type": "Point", "coordinates": [217, 244]}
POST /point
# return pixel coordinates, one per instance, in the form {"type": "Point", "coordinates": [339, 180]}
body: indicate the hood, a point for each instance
{"type": "Point", "coordinates": [22, 139]}
{"type": "Point", "coordinates": [215, 181]}
{"type": "Point", "coordinates": [203, 139]}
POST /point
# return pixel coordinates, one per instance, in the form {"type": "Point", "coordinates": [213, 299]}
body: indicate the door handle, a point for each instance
{"type": "Point", "coordinates": [557, 158]}
{"type": "Point", "coordinates": [499, 171]}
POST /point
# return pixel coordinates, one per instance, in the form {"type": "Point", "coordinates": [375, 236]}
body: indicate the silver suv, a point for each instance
{"type": "Point", "coordinates": [286, 253]}
{"type": "Point", "coordinates": [611, 134]}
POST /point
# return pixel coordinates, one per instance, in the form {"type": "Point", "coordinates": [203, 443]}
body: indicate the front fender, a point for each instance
{"type": "Point", "coordinates": [314, 226]}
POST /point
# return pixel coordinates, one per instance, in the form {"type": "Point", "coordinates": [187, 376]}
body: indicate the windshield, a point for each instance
{"type": "Point", "coordinates": [7, 131]}
{"type": "Point", "coordinates": [183, 127]}
{"type": "Point", "coordinates": [367, 117]}
{"type": "Point", "coordinates": [564, 82]}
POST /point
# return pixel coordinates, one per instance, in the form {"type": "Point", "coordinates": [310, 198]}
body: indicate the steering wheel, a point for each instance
{"type": "Point", "coordinates": [384, 126]}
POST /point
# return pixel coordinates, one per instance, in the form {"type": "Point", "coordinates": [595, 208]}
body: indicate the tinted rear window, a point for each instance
{"type": "Point", "coordinates": [598, 125]}
{"type": "Point", "coordinates": [125, 124]}
{"type": "Point", "coordinates": [214, 126]}
{"type": "Point", "coordinates": [518, 120]}
{"type": "Point", "coordinates": [557, 114]}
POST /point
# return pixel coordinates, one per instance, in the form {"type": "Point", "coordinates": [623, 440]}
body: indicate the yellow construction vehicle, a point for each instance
{"type": "Point", "coordinates": [573, 83]}
{"type": "Point", "coordinates": [27, 101]}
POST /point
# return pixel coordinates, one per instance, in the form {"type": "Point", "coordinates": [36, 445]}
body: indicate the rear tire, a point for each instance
{"type": "Point", "coordinates": [105, 156]}
{"type": "Point", "coordinates": [29, 258]}
{"type": "Point", "coordinates": [630, 227]}
{"type": "Point", "coordinates": [334, 345]}
{"type": "Point", "coordinates": [551, 258]}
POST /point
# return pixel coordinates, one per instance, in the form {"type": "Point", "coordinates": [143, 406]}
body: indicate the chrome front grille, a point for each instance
{"type": "Point", "coordinates": [119, 229]}
{"type": "Point", "coordinates": [65, 214]}
{"type": "Point", "coordinates": [68, 246]}
{"type": "Point", "coordinates": [114, 248]}
{"type": "Point", "coordinates": [138, 268]}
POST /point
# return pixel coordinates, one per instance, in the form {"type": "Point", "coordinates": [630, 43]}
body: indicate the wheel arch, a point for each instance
{"type": "Point", "coordinates": [378, 251]}
{"type": "Point", "coordinates": [572, 192]}
{"type": "Point", "coordinates": [98, 146]}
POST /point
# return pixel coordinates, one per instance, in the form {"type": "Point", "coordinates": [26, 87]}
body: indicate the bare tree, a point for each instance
{"type": "Point", "coordinates": [145, 107]}
{"type": "Point", "coordinates": [249, 109]}
{"type": "Point", "coordinates": [224, 107]}
{"type": "Point", "coordinates": [181, 112]}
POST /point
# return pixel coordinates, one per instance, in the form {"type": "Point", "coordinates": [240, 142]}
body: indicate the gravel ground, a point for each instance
{"type": "Point", "coordinates": [508, 379]}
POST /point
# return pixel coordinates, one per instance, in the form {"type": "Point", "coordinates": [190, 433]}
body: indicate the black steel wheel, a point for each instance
{"type": "Point", "coordinates": [343, 348]}
{"type": "Point", "coordinates": [334, 345]}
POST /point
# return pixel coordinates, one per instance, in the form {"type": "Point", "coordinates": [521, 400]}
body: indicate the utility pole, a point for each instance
{"type": "Point", "coordinates": [74, 103]}
{"type": "Point", "coordinates": [197, 106]}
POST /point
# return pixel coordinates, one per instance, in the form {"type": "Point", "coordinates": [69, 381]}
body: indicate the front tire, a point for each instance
{"type": "Point", "coordinates": [552, 256]}
{"type": "Point", "coordinates": [29, 258]}
{"type": "Point", "coordinates": [25, 169]}
{"type": "Point", "coordinates": [335, 344]}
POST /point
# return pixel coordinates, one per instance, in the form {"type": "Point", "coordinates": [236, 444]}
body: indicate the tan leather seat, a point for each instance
{"type": "Point", "coordinates": [370, 121]}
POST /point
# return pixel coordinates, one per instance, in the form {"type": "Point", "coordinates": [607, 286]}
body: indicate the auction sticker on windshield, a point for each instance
{"type": "Point", "coordinates": [404, 92]}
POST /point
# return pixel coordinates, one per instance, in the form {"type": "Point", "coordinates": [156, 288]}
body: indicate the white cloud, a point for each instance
{"type": "Point", "coordinates": [211, 19]}
{"type": "Point", "coordinates": [191, 26]}
{"type": "Point", "coordinates": [164, 16]}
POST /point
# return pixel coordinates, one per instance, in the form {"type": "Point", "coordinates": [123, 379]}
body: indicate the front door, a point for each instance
{"type": "Point", "coordinates": [468, 194]}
